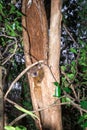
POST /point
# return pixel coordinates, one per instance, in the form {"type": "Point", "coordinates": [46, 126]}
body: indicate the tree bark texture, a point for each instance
{"type": "Point", "coordinates": [38, 45]}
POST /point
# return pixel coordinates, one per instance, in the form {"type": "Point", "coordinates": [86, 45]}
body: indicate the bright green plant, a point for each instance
{"type": "Point", "coordinates": [15, 128]}
{"type": "Point", "coordinates": [57, 90]}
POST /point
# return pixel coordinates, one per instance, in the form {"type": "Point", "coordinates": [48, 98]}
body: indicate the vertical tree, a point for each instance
{"type": "Point", "coordinates": [43, 48]}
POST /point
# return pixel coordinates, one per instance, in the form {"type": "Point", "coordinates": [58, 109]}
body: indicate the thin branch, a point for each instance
{"type": "Point", "coordinates": [17, 119]}
{"type": "Point", "coordinates": [9, 57]}
{"type": "Point", "coordinates": [47, 107]}
{"type": "Point", "coordinates": [20, 75]}
{"type": "Point", "coordinates": [7, 47]}
{"type": "Point", "coordinates": [69, 33]}
{"type": "Point", "coordinates": [78, 106]}
{"type": "Point", "coordinates": [38, 110]}
{"type": "Point", "coordinates": [70, 84]}
{"type": "Point", "coordinates": [10, 37]}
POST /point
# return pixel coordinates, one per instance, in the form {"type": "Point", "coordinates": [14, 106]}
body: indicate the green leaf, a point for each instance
{"type": "Point", "coordinates": [26, 111]}
{"type": "Point", "coordinates": [20, 128]}
{"type": "Point", "coordinates": [0, 18]}
{"type": "Point", "coordinates": [11, 31]}
{"type": "Point", "coordinates": [9, 128]}
{"type": "Point", "coordinates": [63, 99]}
{"type": "Point", "coordinates": [12, 9]}
{"type": "Point", "coordinates": [83, 104]}
{"type": "Point", "coordinates": [82, 118]}
{"type": "Point", "coordinates": [56, 84]}
{"type": "Point", "coordinates": [84, 64]}
{"type": "Point", "coordinates": [73, 50]}
{"type": "Point", "coordinates": [70, 76]}
{"type": "Point", "coordinates": [84, 125]}
{"type": "Point", "coordinates": [13, 26]}
{"type": "Point", "coordinates": [81, 42]}
{"type": "Point", "coordinates": [15, 128]}
{"type": "Point", "coordinates": [66, 99]}
{"type": "Point", "coordinates": [1, 10]}
{"type": "Point", "coordinates": [67, 89]}
{"type": "Point", "coordinates": [73, 63]}
{"type": "Point", "coordinates": [19, 13]}
{"type": "Point", "coordinates": [57, 91]}
{"type": "Point", "coordinates": [63, 68]}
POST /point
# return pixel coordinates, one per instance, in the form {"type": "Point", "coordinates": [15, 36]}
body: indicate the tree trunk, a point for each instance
{"type": "Point", "coordinates": [36, 48]}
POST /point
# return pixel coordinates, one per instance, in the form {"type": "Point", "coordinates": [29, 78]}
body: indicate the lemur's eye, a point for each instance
{"type": "Point", "coordinates": [34, 74]}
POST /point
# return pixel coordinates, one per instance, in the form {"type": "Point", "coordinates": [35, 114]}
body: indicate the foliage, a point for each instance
{"type": "Point", "coordinates": [11, 30]}
{"type": "Point", "coordinates": [27, 112]}
{"type": "Point", "coordinates": [74, 57]}
{"type": "Point", "coordinates": [74, 81]}
{"type": "Point", "coordinates": [11, 17]}
{"type": "Point", "coordinates": [83, 120]}
{"type": "Point", "coordinates": [15, 128]}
